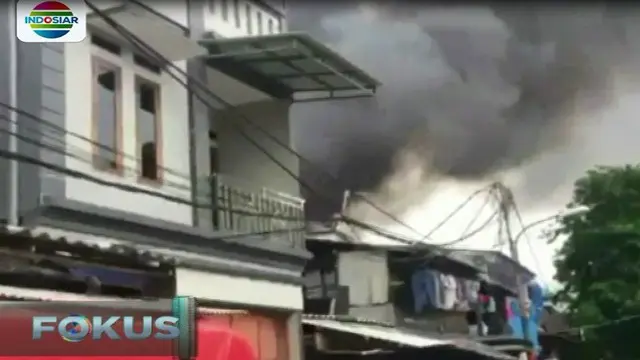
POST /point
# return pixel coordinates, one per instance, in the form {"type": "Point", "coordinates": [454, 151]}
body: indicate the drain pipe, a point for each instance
{"type": "Point", "coordinates": [13, 218]}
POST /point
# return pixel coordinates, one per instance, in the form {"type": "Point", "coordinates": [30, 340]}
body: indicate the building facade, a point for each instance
{"type": "Point", "coordinates": [113, 150]}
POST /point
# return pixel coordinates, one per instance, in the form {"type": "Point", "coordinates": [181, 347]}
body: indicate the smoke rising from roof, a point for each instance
{"type": "Point", "coordinates": [468, 92]}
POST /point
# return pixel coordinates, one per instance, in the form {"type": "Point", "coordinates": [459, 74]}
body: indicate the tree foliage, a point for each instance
{"type": "Point", "coordinates": [599, 263]}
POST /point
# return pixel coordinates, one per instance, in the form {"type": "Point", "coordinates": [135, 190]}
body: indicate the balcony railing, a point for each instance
{"type": "Point", "coordinates": [274, 211]}
{"type": "Point", "coordinates": [231, 204]}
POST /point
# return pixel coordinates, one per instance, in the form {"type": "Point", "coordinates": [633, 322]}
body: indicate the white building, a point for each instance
{"type": "Point", "coordinates": [167, 141]}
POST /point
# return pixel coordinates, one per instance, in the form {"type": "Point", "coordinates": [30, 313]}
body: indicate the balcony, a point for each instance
{"type": "Point", "coordinates": [233, 197]}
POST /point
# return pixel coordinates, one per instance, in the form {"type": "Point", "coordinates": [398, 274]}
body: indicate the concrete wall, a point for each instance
{"type": "Point", "coordinates": [175, 138]}
{"type": "Point", "coordinates": [40, 93]}
{"type": "Point", "coordinates": [241, 160]}
{"type": "Point", "coordinates": [367, 276]}
{"type": "Point", "coordinates": [238, 290]}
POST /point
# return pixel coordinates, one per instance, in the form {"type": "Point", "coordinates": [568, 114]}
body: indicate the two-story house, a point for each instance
{"type": "Point", "coordinates": [101, 108]}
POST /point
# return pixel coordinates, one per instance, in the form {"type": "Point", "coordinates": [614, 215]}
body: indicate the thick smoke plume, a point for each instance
{"type": "Point", "coordinates": [468, 92]}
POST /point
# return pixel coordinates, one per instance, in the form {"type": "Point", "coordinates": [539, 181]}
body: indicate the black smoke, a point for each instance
{"type": "Point", "coordinates": [472, 91]}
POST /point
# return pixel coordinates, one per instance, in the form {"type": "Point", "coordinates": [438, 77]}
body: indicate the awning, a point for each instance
{"type": "Point", "coordinates": [380, 332]}
{"type": "Point", "coordinates": [400, 336]}
{"type": "Point", "coordinates": [291, 65]}
{"type": "Point", "coordinates": [119, 255]}
{"type": "Point", "coordinates": [161, 33]}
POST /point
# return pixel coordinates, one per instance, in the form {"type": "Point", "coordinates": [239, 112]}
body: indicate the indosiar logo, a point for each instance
{"type": "Point", "coordinates": [51, 21]}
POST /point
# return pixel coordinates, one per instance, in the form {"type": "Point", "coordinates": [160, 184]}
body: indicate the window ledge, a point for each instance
{"type": "Point", "coordinates": [117, 171]}
{"type": "Point", "coordinates": [150, 182]}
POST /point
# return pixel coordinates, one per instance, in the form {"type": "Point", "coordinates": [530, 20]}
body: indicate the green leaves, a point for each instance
{"type": "Point", "coordinates": [599, 264]}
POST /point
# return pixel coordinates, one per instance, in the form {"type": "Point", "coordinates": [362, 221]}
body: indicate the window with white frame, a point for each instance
{"type": "Point", "coordinates": [144, 78]}
{"type": "Point", "coordinates": [106, 88]}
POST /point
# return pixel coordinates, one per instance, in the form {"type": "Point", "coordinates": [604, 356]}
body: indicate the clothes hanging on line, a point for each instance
{"type": "Point", "coordinates": [516, 323]}
{"type": "Point", "coordinates": [471, 289]}
{"type": "Point", "coordinates": [435, 290]}
{"type": "Point", "coordinates": [426, 290]}
{"type": "Point", "coordinates": [449, 292]}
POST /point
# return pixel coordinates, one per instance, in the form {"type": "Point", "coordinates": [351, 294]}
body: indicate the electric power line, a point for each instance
{"type": "Point", "coordinates": [124, 187]}
{"type": "Point", "coordinates": [465, 235]}
{"type": "Point", "coordinates": [59, 148]}
{"type": "Point", "coordinates": [170, 171]}
{"type": "Point", "coordinates": [75, 174]}
{"type": "Point", "coordinates": [412, 242]}
{"type": "Point", "coordinates": [61, 151]}
{"type": "Point", "coordinates": [147, 50]}
{"type": "Point", "coordinates": [457, 209]}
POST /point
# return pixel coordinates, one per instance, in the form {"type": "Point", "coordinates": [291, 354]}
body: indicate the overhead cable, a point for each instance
{"type": "Point", "coordinates": [120, 186]}
{"type": "Point", "coordinates": [465, 233]}
{"type": "Point", "coordinates": [457, 209]}
{"type": "Point", "coordinates": [413, 242]}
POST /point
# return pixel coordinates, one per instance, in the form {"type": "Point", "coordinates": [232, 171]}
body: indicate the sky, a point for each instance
{"type": "Point", "coordinates": [469, 96]}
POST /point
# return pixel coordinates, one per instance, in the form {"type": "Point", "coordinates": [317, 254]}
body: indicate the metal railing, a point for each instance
{"type": "Point", "coordinates": [233, 196]}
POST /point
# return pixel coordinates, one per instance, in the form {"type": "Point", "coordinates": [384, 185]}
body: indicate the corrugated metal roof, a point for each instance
{"type": "Point", "coordinates": [216, 311]}
{"type": "Point", "coordinates": [116, 253]}
{"type": "Point", "coordinates": [17, 293]}
{"type": "Point", "coordinates": [398, 335]}
{"type": "Point", "coordinates": [385, 333]}
{"type": "Point", "coordinates": [345, 318]}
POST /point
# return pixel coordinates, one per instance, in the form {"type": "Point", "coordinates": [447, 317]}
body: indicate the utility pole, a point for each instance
{"type": "Point", "coordinates": [506, 205]}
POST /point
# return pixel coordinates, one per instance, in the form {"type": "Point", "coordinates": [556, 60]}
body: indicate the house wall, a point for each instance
{"type": "Point", "coordinates": [241, 160]}
{"type": "Point", "coordinates": [174, 115]}
{"type": "Point", "coordinates": [41, 96]}
{"type": "Point", "coordinates": [246, 291]}
{"type": "Point", "coordinates": [367, 276]}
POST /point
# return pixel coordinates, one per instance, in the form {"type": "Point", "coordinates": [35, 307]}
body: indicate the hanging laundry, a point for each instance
{"type": "Point", "coordinates": [426, 290]}
{"type": "Point", "coordinates": [517, 325]}
{"type": "Point", "coordinates": [462, 303]}
{"type": "Point", "coordinates": [536, 294]}
{"type": "Point", "coordinates": [471, 290]}
{"type": "Point", "coordinates": [449, 287]}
